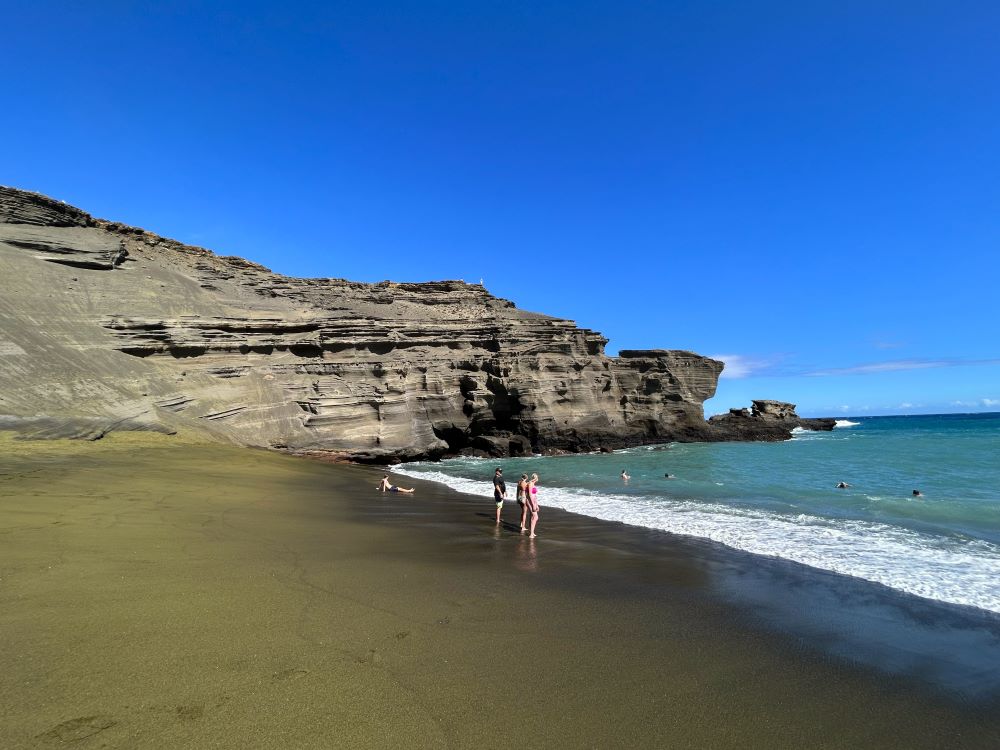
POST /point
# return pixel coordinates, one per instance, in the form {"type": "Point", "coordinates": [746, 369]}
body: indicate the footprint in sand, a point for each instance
{"type": "Point", "coordinates": [78, 729]}
{"type": "Point", "coordinates": [289, 674]}
{"type": "Point", "coordinates": [190, 713]}
{"type": "Point", "coordinates": [372, 657]}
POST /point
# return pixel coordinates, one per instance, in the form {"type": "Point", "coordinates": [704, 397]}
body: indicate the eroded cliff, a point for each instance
{"type": "Point", "coordinates": [105, 326]}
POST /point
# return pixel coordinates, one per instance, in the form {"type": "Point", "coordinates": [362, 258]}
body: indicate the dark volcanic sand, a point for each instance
{"type": "Point", "coordinates": [156, 592]}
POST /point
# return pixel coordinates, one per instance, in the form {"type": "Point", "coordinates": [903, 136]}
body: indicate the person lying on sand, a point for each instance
{"type": "Point", "coordinates": [386, 487]}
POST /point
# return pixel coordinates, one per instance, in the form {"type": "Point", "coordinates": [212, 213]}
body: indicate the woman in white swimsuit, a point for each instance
{"type": "Point", "coordinates": [522, 500]}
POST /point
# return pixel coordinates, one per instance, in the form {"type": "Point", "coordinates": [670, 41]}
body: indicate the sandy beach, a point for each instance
{"type": "Point", "coordinates": [160, 592]}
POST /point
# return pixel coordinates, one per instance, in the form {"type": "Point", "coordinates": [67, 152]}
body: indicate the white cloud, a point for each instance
{"type": "Point", "coordinates": [965, 403]}
{"type": "Point", "coordinates": [740, 366]}
{"type": "Point", "coordinates": [901, 364]}
{"type": "Point", "coordinates": [991, 402]}
{"type": "Point", "coordinates": [905, 405]}
{"type": "Point", "coordinates": [895, 366]}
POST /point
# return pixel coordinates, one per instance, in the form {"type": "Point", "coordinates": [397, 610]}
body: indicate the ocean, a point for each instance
{"type": "Point", "coordinates": [781, 499]}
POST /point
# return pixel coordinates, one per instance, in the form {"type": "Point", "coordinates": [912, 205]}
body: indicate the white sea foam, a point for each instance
{"type": "Point", "coordinates": [800, 434]}
{"type": "Point", "coordinates": [948, 570]}
{"type": "Point", "coordinates": [845, 423]}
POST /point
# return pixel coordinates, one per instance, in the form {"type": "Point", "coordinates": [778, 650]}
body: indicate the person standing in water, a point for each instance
{"type": "Point", "coordinates": [533, 503]}
{"type": "Point", "coordinates": [499, 491]}
{"type": "Point", "coordinates": [522, 500]}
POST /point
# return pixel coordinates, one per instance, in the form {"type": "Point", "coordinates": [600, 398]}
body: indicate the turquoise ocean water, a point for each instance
{"type": "Point", "coordinates": [781, 499]}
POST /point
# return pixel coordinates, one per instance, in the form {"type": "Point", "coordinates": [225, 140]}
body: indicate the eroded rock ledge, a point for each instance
{"type": "Point", "coordinates": [106, 324]}
{"type": "Point", "coordinates": [764, 421]}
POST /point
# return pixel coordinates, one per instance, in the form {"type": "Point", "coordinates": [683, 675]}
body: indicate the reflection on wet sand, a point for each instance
{"type": "Point", "coordinates": [526, 558]}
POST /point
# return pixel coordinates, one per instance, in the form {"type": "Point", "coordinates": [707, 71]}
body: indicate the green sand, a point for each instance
{"type": "Point", "coordinates": [158, 592]}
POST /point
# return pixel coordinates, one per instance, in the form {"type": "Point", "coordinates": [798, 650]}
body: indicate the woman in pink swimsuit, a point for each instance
{"type": "Point", "coordinates": [533, 503]}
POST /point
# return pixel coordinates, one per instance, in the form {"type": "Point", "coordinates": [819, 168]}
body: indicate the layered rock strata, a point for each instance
{"type": "Point", "coordinates": [105, 326]}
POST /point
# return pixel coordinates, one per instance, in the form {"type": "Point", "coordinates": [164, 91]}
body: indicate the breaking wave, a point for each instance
{"type": "Point", "coordinates": [954, 570]}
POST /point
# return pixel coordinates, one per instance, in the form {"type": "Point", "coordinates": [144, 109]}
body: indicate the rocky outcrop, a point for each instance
{"type": "Point", "coordinates": [22, 207]}
{"type": "Point", "coordinates": [102, 324]}
{"type": "Point", "coordinates": [82, 247]}
{"type": "Point", "coordinates": [765, 420]}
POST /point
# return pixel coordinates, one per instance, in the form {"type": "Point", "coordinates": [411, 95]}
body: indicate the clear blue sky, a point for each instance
{"type": "Point", "coordinates": [810, 190]}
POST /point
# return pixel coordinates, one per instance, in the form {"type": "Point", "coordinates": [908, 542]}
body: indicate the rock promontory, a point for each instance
{"type": "Point", "coordinates": [765, 421]}
{"type": "Point", "coordinates": [105, 326]}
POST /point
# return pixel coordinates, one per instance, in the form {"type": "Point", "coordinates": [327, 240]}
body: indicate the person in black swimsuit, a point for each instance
{"type": "Point", "coordinates": [499, 491]}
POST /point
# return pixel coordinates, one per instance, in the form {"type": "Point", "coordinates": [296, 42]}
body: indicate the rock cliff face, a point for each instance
{"type": "Point", "coordinates": [104, 326]}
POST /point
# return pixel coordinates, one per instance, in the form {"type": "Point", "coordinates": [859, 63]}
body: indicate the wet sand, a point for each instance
{"type": "Point", "coordinates": [158, 592]}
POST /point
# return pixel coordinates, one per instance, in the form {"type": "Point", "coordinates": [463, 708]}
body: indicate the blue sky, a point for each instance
{"type": "Point", "coordinates": [807, 190]}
